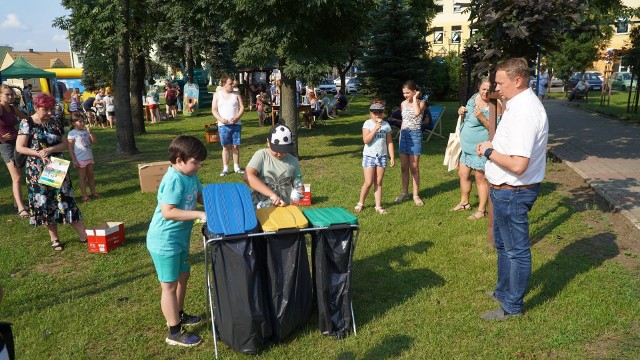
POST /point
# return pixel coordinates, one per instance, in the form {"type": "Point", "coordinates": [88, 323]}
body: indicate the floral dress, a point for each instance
{"type": "Point", "coordinates": [47, 205]}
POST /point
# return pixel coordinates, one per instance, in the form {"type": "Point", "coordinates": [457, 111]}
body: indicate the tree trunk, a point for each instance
{"type": "Point", "coordinates": [188, 55]}
{"type": "Point", "coordinates": [289, 108]}
{"type": "Point", "coordinates": [137, 92]}
{"type": "Point", "coordinates": [126, 143]}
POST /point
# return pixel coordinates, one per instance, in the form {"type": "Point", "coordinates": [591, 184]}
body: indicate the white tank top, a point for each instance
{"type": "Point", "coordinates": [228, 106]}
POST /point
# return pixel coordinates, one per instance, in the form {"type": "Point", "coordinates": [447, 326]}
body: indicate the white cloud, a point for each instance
{"type": "Point", "coordinates": [59, 37]}
{"type": "Point", "coordinates": [11, 21]}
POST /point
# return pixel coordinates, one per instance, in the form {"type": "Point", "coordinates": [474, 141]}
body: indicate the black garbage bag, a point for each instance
{"type": "Point", "coordinates": [241, 302]}
{"type": "Point", "coordinates": [332, 252]}
{"type": "Point", "coordinates": [289, 283]}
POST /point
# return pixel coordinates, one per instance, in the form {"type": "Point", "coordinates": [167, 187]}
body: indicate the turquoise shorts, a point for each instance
{"type": "Point", "coordinates": [169, 267]}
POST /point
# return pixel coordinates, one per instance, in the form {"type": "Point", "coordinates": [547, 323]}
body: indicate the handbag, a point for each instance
{"type": "Point", "coordinates": [20, 159]}
{"type": "Point", "coordinates": [453, 150]}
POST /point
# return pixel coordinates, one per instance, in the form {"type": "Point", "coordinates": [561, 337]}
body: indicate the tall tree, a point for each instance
{"type": "Point", "coordinates": [288, 29]}
{"type": "Point", "coordinates": [396, 51]}
{"type": "Point", "coordinates": [522, 28]}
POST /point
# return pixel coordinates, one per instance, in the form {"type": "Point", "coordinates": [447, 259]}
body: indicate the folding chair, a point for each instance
{"type": "Point", "coordinates": [347, 109]}
{"type": "Point", "coordinates": [436, 115]}
{"type": "Point", "coordinates": [320, 118]}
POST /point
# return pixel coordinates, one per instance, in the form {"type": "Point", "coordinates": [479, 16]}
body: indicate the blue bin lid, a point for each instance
{"type": "Point", "coordinates": [325, 217]}
{"type": "Point", "coordinates": [229, 209]}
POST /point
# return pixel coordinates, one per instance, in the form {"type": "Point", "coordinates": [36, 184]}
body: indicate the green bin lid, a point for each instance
{"type": "Point", "coordinates": [325, 217]}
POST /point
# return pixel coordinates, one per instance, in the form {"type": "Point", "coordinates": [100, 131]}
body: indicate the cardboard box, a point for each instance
{"type": "Point", "coordinates": [151, 174]}
{"type": "Point", "coordinates": [105, 237]}
{"type": "Point", "coordinates": [305, 200]}
{"type": "Point", "coordinates": [212, 137]}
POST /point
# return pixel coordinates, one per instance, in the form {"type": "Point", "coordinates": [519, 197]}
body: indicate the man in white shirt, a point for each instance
{"type": "Point", "coordinates": [515, 167]}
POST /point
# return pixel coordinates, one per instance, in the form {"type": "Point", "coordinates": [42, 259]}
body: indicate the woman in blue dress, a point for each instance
{"type": "Point", "coordinates": [475, 130]}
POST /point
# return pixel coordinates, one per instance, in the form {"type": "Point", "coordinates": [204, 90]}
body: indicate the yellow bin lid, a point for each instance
{"type": "Point", "coordinates": [278, 218]}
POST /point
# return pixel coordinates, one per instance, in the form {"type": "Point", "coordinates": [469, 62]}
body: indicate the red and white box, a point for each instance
{"type": "Point", "coordinates": [105, 237]}
{"type": "Point", "coordinates": [305, 200]}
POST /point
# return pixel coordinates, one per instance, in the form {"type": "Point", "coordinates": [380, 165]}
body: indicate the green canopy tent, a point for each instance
{"type": "Point", "coordinates": [22, 69]}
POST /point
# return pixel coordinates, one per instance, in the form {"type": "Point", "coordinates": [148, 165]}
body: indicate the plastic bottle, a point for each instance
{"type": "Point", "coordinates": [296, 191]}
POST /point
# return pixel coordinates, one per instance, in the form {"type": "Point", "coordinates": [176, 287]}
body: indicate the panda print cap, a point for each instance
{"type": "Point", "coordinates": [280, 139]}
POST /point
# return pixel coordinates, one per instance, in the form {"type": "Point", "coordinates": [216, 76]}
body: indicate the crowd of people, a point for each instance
{"type": "Point", "coordinates": [508, 170]}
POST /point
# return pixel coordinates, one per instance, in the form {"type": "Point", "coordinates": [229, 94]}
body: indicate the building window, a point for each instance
{"type": "Point", "coordinates": [439, 6]}
{"type": "Point", "coordinates": [456, 34]}
{"type": "Point", "coordinates": [622, 26]}
{"type": "Point", "coordinates": [456, 6]}
{"type": "Point", "coordinates": [438, 35]}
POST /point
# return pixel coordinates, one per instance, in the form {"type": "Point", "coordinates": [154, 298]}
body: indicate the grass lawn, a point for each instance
{"type": "Point", "coordinates": [419, 274]}
{"type": "Point", "coordinates": [616, 106]}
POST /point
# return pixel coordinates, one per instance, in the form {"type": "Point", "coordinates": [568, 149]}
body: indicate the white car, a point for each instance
{"type": "Point", "coordinates": [337, 80]}
{"type": "Point", "coordinates": [352, 85]}
{"type": "Point", "coordinates": [327, 86]}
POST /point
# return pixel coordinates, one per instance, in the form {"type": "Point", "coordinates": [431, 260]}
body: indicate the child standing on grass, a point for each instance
{"type": "Point", "coordinates": [81, 140]}
{"type": "Point", "coordinates": [260, 109]}
{"type": "Point", "coordinates": [170, 231]}
{"type": "Point", "coordinates": [376, 134]}
{"type": "Point", "coordinates": [109, 103]}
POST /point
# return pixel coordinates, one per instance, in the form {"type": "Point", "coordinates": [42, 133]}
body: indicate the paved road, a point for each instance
{"type": "Point", "coordinates": [604, 151]}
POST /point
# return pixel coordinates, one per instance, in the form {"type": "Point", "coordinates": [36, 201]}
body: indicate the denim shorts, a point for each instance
{"type": "Point", "coordinates": [169, 267]}
{"type": "Point", "coordinates": [229, 134]}
{"type": "Point", "coordinates": [6, 150]}
{"type": "Point", "coordinates": [410, 142]}
{"type": "Point", "coordinates": [373, 161]}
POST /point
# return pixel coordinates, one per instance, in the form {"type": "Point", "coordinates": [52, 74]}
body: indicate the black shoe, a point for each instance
{"type": "Point", "coordinates": [188, 320]}
{"type": "Point", "coordinates": [498, 314]}
{"type": "Point", "coordinates": [183, 338]}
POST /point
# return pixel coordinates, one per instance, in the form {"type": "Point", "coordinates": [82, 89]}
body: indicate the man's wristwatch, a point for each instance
{"type": "Point", "coordinates": [488, 152]}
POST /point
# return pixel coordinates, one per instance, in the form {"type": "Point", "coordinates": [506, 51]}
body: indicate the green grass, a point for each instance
{"type": "Point", "coordinates": [419, 274]}
{"type": "Point", "coordinates": [615, 107]}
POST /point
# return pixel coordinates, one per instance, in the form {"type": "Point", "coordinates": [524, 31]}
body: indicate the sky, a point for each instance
{"type": "Point", "coordinates": [26, 24]}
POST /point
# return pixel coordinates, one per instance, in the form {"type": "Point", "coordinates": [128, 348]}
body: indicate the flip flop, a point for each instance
{"type": "Point", "coordinates": [56, 245]}
{"type": "Point", "coordinates": [86, 198]}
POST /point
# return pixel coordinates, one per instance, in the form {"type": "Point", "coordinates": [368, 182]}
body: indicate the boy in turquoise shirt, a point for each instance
{"type": "Point", "coordinates": [170, 230]}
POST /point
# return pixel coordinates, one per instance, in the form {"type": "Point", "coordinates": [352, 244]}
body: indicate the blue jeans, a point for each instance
{"type": "Point", "coordinates": [511, 238]}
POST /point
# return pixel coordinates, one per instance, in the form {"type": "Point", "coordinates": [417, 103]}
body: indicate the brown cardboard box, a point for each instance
{"type": "Point", "coordinates": [105, 237]}
{"type": "Point", "coordinates": [151, 174]}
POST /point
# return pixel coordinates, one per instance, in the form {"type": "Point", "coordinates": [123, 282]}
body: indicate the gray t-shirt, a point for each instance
{"type": "Point", "coordinates": [378, 146]}
{"type": "Point", "coordinates": [81, 144]}
{"type": "Point", "coordinates": [277, 174]}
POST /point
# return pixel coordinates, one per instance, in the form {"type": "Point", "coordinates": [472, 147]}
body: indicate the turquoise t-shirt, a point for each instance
{"type": "Point", "coordinates": [169, 237]}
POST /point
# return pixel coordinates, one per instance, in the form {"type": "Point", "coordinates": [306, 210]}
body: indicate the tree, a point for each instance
{"type": "Point", "coordinates": [522, 28]}
{"type": "Point", "coordinates": [288, 29]}
{"type": "Point", "coordinates": [396, 51]}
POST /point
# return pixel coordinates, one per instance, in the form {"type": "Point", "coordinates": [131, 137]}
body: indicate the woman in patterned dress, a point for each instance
{"type": "Point", "coordinates": [47, 205]}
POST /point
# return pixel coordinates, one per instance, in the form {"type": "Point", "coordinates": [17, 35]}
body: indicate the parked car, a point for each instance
{"type": "Point", "coordinates": [336, 81]}
{"type": "Point", "coordinates": [622, 80]}
{"type": "Point", "coordinates": [328, 86]}
{"type": "Point", "coordinates": [352, 85]}
{"type": "Point", "coordinates": [593, 78]}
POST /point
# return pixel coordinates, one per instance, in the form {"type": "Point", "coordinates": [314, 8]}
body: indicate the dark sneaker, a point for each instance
{"type": "Point", "coordinates": [183, 338]}
{"type": "Point", "coordinates": [187, 319]}
{"type": "Point", "coordinates": [498, 314]}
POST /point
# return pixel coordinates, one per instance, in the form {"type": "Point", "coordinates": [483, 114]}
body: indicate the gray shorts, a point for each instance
{"type": "Point", "coordinates": [6, 150]}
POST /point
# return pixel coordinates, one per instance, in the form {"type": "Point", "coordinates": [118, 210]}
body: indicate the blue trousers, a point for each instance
{"type": "Point", "coordinates": [511, 238]}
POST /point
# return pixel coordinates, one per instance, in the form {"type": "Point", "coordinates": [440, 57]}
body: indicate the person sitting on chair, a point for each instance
{"type": "Point", "coordinates": [581, 88]}
{"type": "Point", "coordinates": [341, 103]}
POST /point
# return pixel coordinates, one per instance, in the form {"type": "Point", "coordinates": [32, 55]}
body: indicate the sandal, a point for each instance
{"type": "Point", "coordinates": [418, 201]}
{"type": "Point", "coordinates": [96, 195]}
{"type": "Point", "coordinates": [380, 210]}
{"type": "Point", "coordinates": [86, 198]}
{"type": "Point", "coordinates": [402, 197]}
{"type": "Point", "coordinates": [461, 207]}
{"type": "Point", "coordinates": [56, 245]}
{"type": "Point", "coordinates": [477, 215]}
{"type": "Point", "coordinates": [358, 208]}
{"type": "Point", "coordinates": [23, 213]}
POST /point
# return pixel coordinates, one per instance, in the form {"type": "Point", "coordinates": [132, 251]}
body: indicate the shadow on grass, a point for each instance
{"type": "Point", "coordinates": [576, 258]}
{"type": "Point", "coordinates": [397, 280]}
{"type": "Point", "coordinates": [391, 347]}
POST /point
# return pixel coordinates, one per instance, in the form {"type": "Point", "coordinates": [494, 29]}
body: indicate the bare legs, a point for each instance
{"type": "Point", "coordinates": [370, 175]}
{"type": "Point", "coordinates": [16, 184]}
{"type": "Point", "coordinates": [235, 153]}
{"type": "Point", "coordinates": [410, 164]}
{"type": "Point", "coordinates": [172, 298]}
{"type": "Point", "coordinates": [465, 189]}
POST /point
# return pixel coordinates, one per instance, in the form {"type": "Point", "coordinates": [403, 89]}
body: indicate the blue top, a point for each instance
{"type": "Point", "coordinates": [473, 131]}
{"type": "Point", "coordinates": [169, 237]}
